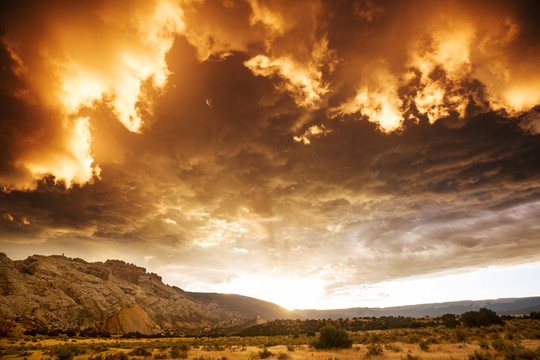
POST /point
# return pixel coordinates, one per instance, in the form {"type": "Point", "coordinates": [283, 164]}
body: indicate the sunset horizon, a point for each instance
{"type": "Point", "coordinates": [313, 154]}
{"type": "Point", "coordinates": [457, 288]}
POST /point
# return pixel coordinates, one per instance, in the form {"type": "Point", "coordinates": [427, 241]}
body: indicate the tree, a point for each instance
{"type": "Point", "coordinates": [482, 317]}
{"type": "Point", "coordinates": [332, 338]}
{"type": "Point", "coordinates": [449, 320]}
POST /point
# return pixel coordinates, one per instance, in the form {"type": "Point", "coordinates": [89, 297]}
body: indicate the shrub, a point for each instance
{"type": "Point", "coordinates": [411, 357]}
{"type": "Point", "coordinates": [393, 348]}
{"type": "Point", "coordinates": [413, 339]}
{"type": "Point", "coordinates": [460, 335]}
{"type": "Point", "coordinates": [90, 332]}
{"type": "Point", "coordinates": [482, 317]}
{"type": "Point", "coordinates": [375, 349]}
{"type": "Point", "coordinates": [375, 338]}
{"type": "Point", "coordinates": [283, 356]}
{"type": "Point", "coordinates": [423, 346]}
{"type": "Point", "coordinates": [98, 347]}
{"type": "Point", "coordinates": [264, 354]}
{"type": "Point", "coordinates": [449, 320]}
{"type": "Point", "coordinates": [182, 346]}
{"type": "Point", "coordinates": [178, 353]}
{"type": "Point", "coordinates": [501, 345]}
{"type": "Point", "coordinates": [64, 353]}
{"type": "Point", "coordinates": [333, 338]}
{"type": "Point", "coordinates": [518, 352]}
{"type": "Point", "coordinates": [116, 356]}
{"type": "Point", "coordinates": [140, 352]}
{"type": "Point", "coordinates": [477, 355]}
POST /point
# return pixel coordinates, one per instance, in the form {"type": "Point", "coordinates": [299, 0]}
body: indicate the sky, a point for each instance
{"type": "Point", "coordinates": [316, 154]}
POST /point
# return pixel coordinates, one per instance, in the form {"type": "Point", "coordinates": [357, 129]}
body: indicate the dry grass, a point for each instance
{"type": "Point", "coordinates": [436, 352]}
{"type": "Point", "coordinates": [397, 351]}
{"type": "Point", "coordinates": [398, 344]}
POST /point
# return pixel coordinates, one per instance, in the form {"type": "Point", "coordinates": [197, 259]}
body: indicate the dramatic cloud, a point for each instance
{"type": "Point", "coordinates": [246, 146]}
{"type": "Point", "coordinates": [78, 56]}
{"type": "Point", "coordinates": [302, 81]}
{"type": "Point", "coordinates": [459, 56]}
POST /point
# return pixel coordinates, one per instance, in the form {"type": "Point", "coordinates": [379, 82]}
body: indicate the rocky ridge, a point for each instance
{"type": "Point", "coordinates": [71, 293]}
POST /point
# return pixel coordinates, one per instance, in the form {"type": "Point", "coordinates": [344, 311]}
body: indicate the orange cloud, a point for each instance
{"type": "Point", "coordinates": [85, 56]}
{"type": "Point", "coordinates": [378, 101]}
{"type": "Point", "coordinates": [303, 80]}
{"type": "Point", "coordinates": [456, 60]}
{"type": "Point", "coordinates": [312, 132]}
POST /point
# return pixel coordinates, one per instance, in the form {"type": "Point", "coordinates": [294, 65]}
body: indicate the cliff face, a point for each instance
{"type": "Point", "coordinates": [73, 293]}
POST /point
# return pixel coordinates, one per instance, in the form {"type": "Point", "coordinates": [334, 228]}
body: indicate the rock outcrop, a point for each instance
{"type": "Point", "coordinates": [131, 319]}
{"type": "Point", "coordinates": [10, 328]}
{"type": "Point", "coordinates": [72, 293]}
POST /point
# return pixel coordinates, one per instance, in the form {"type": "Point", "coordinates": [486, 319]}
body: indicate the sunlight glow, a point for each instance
{"type": "Point", "coordinates": [378, 101]}
{"type": "Point", "coordinates": [76, 165]}
{"type": "Point", "coordinates": [521, 98]}
{"type": "Point", "coordinates": [295, 292]}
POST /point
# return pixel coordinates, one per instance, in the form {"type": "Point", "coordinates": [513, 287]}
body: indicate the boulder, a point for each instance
{"type": "Point", "coordinates": [131, 319]}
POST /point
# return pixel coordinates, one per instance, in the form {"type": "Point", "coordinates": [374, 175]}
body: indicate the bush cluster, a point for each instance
{"type": "Point", "coordinates": [375, 349]}
{"type": "Point", "coordinates": [65, 352]}
{"type": "Point", "coordinates": [265, 353]}
{"type": "Point", "coordinates": [115, 356]}
{"type": "Point", "coordinates": [140, 352]}
{"type": "Point", "coordinates": [333, 338]}
{"type": "Point", "coordinates": [482, 317]}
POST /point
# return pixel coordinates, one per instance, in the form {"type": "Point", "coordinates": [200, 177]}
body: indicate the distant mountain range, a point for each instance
{"type": "Point", "coordinates": [44, 292]}
{"type": "Point", "coordinates": [506, 306]}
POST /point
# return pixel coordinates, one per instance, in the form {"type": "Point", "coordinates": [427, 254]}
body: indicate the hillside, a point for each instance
{"type": "Point", "coordinates": [506, 306]}
{"type": "Point", "coordinates": [72, 293]}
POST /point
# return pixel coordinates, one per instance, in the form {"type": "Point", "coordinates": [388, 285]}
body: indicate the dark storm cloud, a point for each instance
{"type": "Point", "coordinates": [216, 182]}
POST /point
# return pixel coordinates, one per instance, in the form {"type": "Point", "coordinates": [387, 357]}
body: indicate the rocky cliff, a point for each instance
{"type": "Point", "coordinates": [73, 293]}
